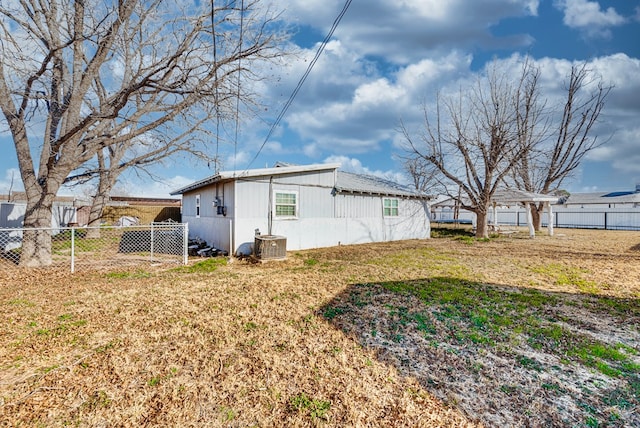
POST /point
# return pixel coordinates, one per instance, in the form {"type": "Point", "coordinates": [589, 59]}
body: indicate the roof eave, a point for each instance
{"type": "Point", "coordinates": [225, 176]}
{"type": "Point", "coordinates": [387, 194]}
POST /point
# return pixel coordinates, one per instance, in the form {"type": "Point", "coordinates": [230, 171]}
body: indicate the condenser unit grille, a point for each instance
{"type": "Point", "coordinates": [270, 247]}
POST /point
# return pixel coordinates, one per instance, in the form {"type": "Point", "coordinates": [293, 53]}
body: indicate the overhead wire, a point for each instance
{"type": "Point", "coordinates": [240, 42]}
{"type": "Point", "coordinates": [286, 106]}
{"type": "Point", "coordinates": [216, 95]}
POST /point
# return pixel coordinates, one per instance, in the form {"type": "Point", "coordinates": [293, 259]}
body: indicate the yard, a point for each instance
{"type": "Point", "coordinates": [451, 331]}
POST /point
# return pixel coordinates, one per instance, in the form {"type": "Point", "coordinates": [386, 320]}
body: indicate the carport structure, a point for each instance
{"type": "Point", "coordinates": [507, 197]}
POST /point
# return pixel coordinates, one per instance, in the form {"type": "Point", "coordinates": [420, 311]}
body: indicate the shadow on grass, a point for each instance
{"type": "Point", "coordinates": [504, 356]}
{"type": "Point", "coordinates": [448, 232]}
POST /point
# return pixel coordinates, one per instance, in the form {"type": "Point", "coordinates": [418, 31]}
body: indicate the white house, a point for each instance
{"type": "Point", "coordinates": [602, 200]}
{"type": "Point", "coordinates": [12, 220]}
{"type": "Point", "coordinates": [311, 206]}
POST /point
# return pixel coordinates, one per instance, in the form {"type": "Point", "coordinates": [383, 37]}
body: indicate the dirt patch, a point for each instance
{"type": "Point", "coordinates": [330, 338]}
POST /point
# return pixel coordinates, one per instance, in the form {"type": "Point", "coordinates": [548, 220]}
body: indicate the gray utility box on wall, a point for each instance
{"type": "Point", "coordinates": [270, 247]}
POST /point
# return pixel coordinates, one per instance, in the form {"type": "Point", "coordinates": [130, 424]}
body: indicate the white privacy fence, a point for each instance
{"type": "Point", "coordinates": [103, 247]}
{"type": "Point", "coordinates": [587, 218]}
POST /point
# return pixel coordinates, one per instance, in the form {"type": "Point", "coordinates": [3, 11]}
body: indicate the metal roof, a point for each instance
{"type": "Point", "coordinates": [347, 182]}
{"type": "Point", "coordinates": [253, 173]}
{"type": "Point", "coordinates": [505, 196]}
{"type": "Point", "coordinates": [602, 198]}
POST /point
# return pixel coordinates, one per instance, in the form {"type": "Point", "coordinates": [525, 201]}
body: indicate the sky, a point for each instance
{"type": "Point", "coordinates": [388, 59]}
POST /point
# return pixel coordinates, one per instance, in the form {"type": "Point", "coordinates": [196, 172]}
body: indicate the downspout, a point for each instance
{"type": "Point", "coordinates": [384, 223]}
{"type": "Point", "coordinates": [334, 191]}
{"type": "Point", "coordinates": [270, 212]}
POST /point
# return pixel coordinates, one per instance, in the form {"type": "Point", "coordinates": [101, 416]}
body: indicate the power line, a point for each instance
{"type": "Point", "coordinates": [216, 96]}
{"type": "Point", "coordinates": [303, 78]}
{"type": "Point", "coordinates": [235, 140]}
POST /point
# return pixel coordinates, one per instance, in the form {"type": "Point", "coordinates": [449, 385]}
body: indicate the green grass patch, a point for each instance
{"type": "Point", "coordinates": [310, 262]}
{"type": "Point", "coordinates": [138, 274]}
{"type": "Point", "coordinates": [610, 360]}
{"type": "Point", "coordinates": [316, 408]}
{"type": "Point", "coordinates": [469, 240]}
{"type": "Point", "coordinates": [443, 232]}
{"type": "Point", "coordinates": [21, 302]}
{"type": "Point", "coordinates": [204, 266]}
{"type": "Point", "coordinates": [475, 315]}
{"type": "Point", "coordinates": [330, 312]}
{"type": "Point", "coordinates": [427, 259]}
{"type": "Point", "coordinates": [568, 276]}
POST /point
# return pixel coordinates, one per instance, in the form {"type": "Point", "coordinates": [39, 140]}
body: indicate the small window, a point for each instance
{"type": "Point", "coordinates": [286, 204]}
{"type": "Point", "coordinates": [197, 205]}
{"type": "Point", "coordinates": [390, 207]}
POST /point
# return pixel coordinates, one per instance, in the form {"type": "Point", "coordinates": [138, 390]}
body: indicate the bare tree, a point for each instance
{"type": "Point", "coordinates": [137, 155]}
{"type": "Point", "coordinates": [77, 77]}
{"type": "Point", "coordinates": [473, 143]}
{"type": "Point", "coordinates": [556, 144]}
{"type": "Point", "coordinates": [422, 173]}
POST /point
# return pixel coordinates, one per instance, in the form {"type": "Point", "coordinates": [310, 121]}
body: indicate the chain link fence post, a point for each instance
{"type": "Point", "coordinates": [185, 244]}
{"type": "Point", "coordinates": [73, 250]}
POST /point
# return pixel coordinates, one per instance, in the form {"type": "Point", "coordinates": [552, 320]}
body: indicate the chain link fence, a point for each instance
{"type": "Point", "coordinates": [107, 247]}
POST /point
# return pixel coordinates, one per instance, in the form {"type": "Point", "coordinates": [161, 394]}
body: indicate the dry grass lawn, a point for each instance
{"type": "Point", "coordinates": [450, 331]}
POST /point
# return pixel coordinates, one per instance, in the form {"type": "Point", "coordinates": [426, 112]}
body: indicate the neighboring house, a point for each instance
{"type": "Point", "coordinates": [145, 209]}
{"type": "Point", "coordinates": [311, 206]}
{"type": "Point", "coordinates": [603, 200]}
{"type": "Point", "coordinates": [12, 218]}
{"type": "Point", "coordinates": [12, 213]}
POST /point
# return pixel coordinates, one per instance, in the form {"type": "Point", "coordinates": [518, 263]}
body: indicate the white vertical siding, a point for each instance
{"type": "Point", "coordinates": [323, 219]}
{"type": "Point", "coordinates": [214, 228]}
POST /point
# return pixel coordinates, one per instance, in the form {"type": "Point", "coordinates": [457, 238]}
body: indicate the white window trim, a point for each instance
{"type": "Point", "coordinates": [396, 207]}
{"type": "Point", "coordinates": [198, 206]}
{"type": "Point", "coordinates": [297, 206]}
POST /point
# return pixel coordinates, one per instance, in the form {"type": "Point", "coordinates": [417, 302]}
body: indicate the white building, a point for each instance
{"type": "Point", "coordinates": [602, 200]}
{"type": "Point", "coordinates": [311, 206]}
{"type": "Point", "coordinates": [12, 221]}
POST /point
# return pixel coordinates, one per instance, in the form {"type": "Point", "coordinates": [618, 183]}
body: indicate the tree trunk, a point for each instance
{"type": "Point", "coordinates": [536, 215]}
{"type": "Point", "coordinates": [36, 239]}
{"type": "Point", "coordinates": [482, 231]}
{"type": "Point", "coordinates": [95, 215]}
{"type": "Point", "coordinates": [97, 207]}
{"type": "Point", "coordinates": [107, 180]}
{"type": "Point", "coordinates": [38, 218]}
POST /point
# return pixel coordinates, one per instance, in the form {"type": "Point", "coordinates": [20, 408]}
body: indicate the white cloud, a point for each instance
{"type": "Point", "coordinates": [621, 152]}
{"type": "Point", "coordinates": [378, 92]}
{"type": "Point", "coordinates": [354, 165]}
{"type": "Point", "coordinates": [151, 188]}
{"type": "Point", "coordinates": [368, 112]}
{"type": "Point", "coordinates": [587, 16]}
{"type": "Point", "coordinates": [311, 150]}
{"type": "Point", "coordinates": [429, 27]}
{"type": "Point", "coordinates": [11, 181]}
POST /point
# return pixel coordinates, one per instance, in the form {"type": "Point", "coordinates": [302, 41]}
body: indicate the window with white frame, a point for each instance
{"type": "Point", "coordinates": [197, 205]}
{"type": "Point", "coordinates": [286, 204]}
{"type": "Point", "coordinates": [390, 207]}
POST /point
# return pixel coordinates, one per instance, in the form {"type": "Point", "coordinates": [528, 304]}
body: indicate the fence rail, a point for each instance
{"type": "Point", "coordinates": [102, 247]}
{"type": "Point", "coordinates": [614, 219]}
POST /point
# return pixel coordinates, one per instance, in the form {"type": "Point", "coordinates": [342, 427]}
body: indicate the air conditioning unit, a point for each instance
{"type": "Point", "coordinates": [270, 247]}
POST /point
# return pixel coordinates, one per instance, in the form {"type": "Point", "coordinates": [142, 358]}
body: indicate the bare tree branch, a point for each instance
{"type": "Point", "coordinates": [474, 143]}
{"type": "Point", "coordinates": [115, 73]}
